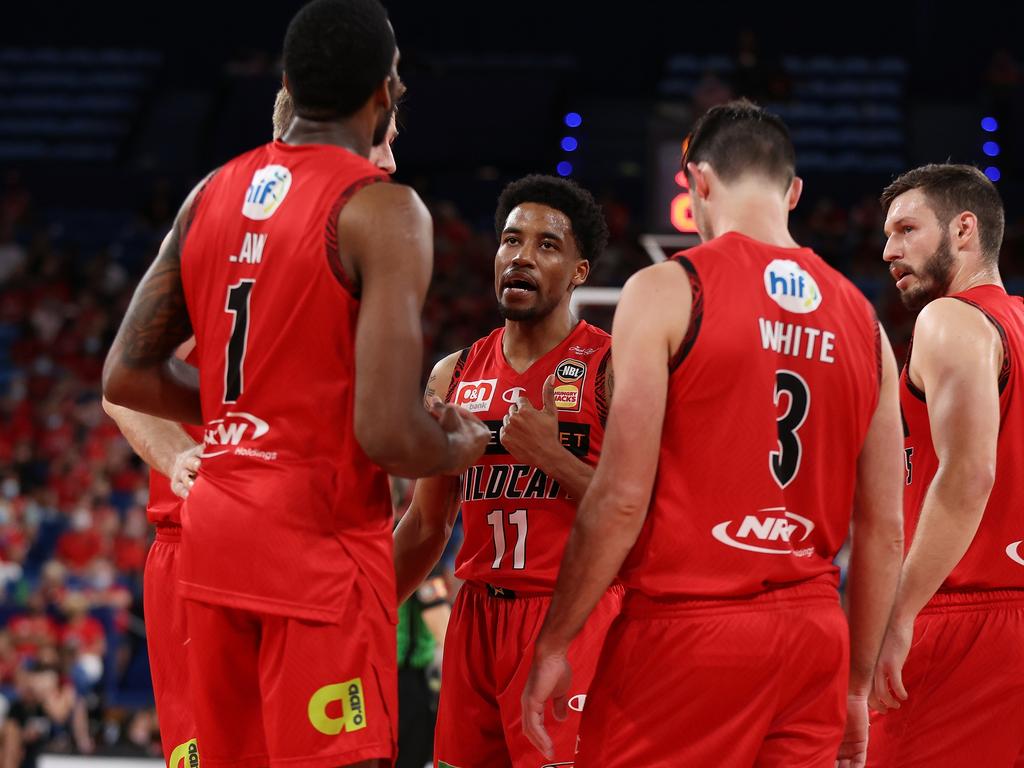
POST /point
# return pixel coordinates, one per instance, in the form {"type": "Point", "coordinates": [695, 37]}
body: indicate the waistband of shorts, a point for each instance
{"type": "Point", "coordinates": [168, 532]}
{"type": "Point", "coordinates": [977, 600]}
{"type": "Point", "coordinates": [639, 605]}
{"type": "Point", "coordinates": [504, 593]}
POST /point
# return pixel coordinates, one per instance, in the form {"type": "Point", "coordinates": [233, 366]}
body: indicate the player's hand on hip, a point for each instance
{"type": "Point", "coordinates": [528, 433]}
{"type": "Point", "coordinates": [468, 437]}
{"type": "Point", "coordinates": [183, 472]}
{"type": "Point", "coordinates": [887, 690]}
{"type": "Point", "coordinates": [550, 676]}
{"type": "Point", "coordinates": [853, 751]}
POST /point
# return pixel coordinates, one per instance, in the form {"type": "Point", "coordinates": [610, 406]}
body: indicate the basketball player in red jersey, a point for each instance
{"type": "Point", "coordinates": [172, 452]}
{"type": "Point", "coordinates": [303, 279]}
{"type": "Point", "coordinates": [755, 407]}
{"type": "Point", "coordinates": [518, 501]}
{"type": "Point", "coordinates": [950, 677]}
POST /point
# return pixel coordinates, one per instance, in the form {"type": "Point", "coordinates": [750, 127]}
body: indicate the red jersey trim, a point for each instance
{"type": "Point", "coordinates": [331, 233]}
{"type": "Point", "coordinates": [460, 365]}
{"type": "Point", "coordinates": [696, 313]}
{"type": "Point", "coordinates": [911, 386]}
{"type": "Point", "coordinates": [1004, 371]}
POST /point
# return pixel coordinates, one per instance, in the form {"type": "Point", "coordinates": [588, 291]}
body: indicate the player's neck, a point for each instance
{"type": "Point", "coordinates": [750, 211]}
{"type": "Point", "coordinates": [340, 134]}
{"type": "Point", "coordinates": [525, 342]}
{"type": "Point", "coordinates": [968, 277]}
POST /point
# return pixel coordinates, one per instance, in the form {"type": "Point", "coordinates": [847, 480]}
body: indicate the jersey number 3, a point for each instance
{"type": "Point", "coordinates": [785, 462]}
{"type": "Point", "coordinates": [237, 303]}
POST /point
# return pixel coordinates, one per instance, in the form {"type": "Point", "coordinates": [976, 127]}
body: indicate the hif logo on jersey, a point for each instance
{"type": "Point", "coordinates": [791, 286]}
{"type": "Point", "coordinates": [266, 192]}
{"type": "Point", "coordinates": [772, 532]}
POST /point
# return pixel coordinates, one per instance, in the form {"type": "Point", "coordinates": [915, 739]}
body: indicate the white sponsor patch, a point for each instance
{"type": "Point", "coordinates": [266, 192]}
{"type": "Point", "coordinates": [773, 531]}
{"type": "Point", "coordinates": [791, 286]}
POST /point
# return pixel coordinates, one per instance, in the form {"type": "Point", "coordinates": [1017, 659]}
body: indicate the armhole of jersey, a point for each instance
{"type": "Point", "coordinates": [347, 281]}
{"type": "Point", "coordinates": [456, 374]}
{"type": "Point", "coordinates": [193, 209]}
{"type": "Point", "coordinates": [912, 388]}
{"type": "Point", "coordinates": [601, 389]}
{"type": "Point", "coordinates": [1004, 370]}
{"type": "Point", "coordinates": [696, 313]}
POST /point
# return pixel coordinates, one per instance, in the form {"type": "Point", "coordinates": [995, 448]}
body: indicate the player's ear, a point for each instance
{"type": "Point", "coordinates": [581, 273]}
{"type": "Point", "coordinates": [964, 227]}
{"type": "Point", "coordinates": [796, 188]}
{"type": "Point", "coordinates": [700, 179]}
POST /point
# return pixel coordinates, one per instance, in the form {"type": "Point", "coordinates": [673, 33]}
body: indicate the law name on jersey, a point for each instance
{"type": "Point", "coordinates": [251, 251]}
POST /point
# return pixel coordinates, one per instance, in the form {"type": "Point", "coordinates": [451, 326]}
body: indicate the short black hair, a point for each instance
{"type": "Point", "coordinates": [740, 137]}
{"type": "Point", "coordinates": [336, 52]}
{"type": "Point", "coordinates": [951, 189]}
{"type": "Point", "coordinates": [586, 217]}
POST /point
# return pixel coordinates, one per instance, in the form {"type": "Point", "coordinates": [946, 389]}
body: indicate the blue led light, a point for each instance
{"type": "Point", "coordinates": [564, 168]}
{"type": "Point", "coordinates": [569, 144]}
{"type": "Point", "coordinates": [989, 124]}
{"type": "Point", "coordinates": [993, 173]}
{"type": "Point", "coordinates": [573, 120]}
{"type": "Point", "coordinates": [990, 148]}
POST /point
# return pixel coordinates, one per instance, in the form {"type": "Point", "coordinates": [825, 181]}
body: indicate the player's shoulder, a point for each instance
{"type": "Point", "coordinates": [947, 315]}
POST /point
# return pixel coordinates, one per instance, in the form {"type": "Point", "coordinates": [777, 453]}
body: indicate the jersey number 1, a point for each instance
{"type": "Point", "coordinates": [237, 303]}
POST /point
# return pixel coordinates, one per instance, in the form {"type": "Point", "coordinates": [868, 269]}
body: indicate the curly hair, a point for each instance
{"type": "Point", "coordinates": [589, 228]}
{"type": "Point", "coordinates": [336, 52]}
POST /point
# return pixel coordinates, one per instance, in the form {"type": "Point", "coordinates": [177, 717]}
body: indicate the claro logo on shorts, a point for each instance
{"type": "Point", "coordinates": [345, 699]}
{"type": "Point", "coordinates": [773, 533]}
{"type": "Point", "coordinates": [185, 755]}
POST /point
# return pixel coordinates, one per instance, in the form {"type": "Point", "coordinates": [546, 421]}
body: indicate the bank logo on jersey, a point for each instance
{"type": "Point", "coordinates": [773, 531]}
{"type": "Point", "coordinates": [791, 286]}
{"type": "Point", "coordinates": [1013, 552]}
{"type": "Point", "coordinates": [228, 432]}
{"type": "Point", "coordinates": [266, 192]}
{"type": "Point", "coordinates": [568, 392]}
{"type": "Point", "coordinates": [476, 395]}
{"type": "Point", "coordinates": [347, 699]}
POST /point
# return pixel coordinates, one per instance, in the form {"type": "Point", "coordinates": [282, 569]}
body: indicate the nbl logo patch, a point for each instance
{"type": "Point", "coordinates": [338, 707]}
{"type": "Point", "coordinates": [571, 374]}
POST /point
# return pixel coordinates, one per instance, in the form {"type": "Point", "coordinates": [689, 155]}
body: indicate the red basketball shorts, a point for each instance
{"type": "Point", "coordinates": [277, 691]}
{"type": "Point", "coordinates": [721, 683]}
{"type": "Point", "coordinates": [166, 637]}
{"type": "Point", "coordinates": [964, 677]}
{"type": "Point", "coordinates": [487, 657]}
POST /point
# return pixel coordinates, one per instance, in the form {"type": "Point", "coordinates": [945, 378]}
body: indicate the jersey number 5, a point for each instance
{"type": "Point", "coordinates": [785, 462]}
{"type": "Point", "coordinates": [237, 303]}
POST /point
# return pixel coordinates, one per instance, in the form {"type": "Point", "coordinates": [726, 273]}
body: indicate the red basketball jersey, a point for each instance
{"type": "Point", "coordinates": [164, 507]}
{"type": "Point", "coordinates": [995, 559]}
{"type": "Point", "coordinates": [768, 405]}
{"type": "Point", "coordinates": [516, 519]}
{"type": "Point", "coordinates": [287, 511]}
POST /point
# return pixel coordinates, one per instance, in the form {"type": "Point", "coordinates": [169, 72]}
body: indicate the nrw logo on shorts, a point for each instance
{"type": "Point", "coordinates": [350, 703]}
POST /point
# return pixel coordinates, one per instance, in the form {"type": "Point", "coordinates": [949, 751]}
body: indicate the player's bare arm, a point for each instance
{"type": "Point", "coordinates": [385, 236]}
{"type": "Point", "coordinates": [650, 322]}
{"type": "Point", "coordinates": [424, 530]}
{"type": "Point", "coordinates": [162, 444]}
{"type": "Point", "coordinates": [955, 361]}
{"type": "Point", "coordinates": [532, 436]}
{"type": "Point", "coordinates": [141, 371]}
{"type": "Point", "coordinates": [877, 552]}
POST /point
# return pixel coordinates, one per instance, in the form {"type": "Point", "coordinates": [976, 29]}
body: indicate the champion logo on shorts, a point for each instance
{"type": "Point", "coordinates": [1013, 552]}
{"type": "Point", "coordinates": [353, 712]}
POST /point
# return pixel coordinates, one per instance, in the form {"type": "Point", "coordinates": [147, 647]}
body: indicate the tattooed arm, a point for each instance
{"type": "Point", "coordinates": [425, 528]}
{"type": "Point", "coordinates": [141, 371]}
